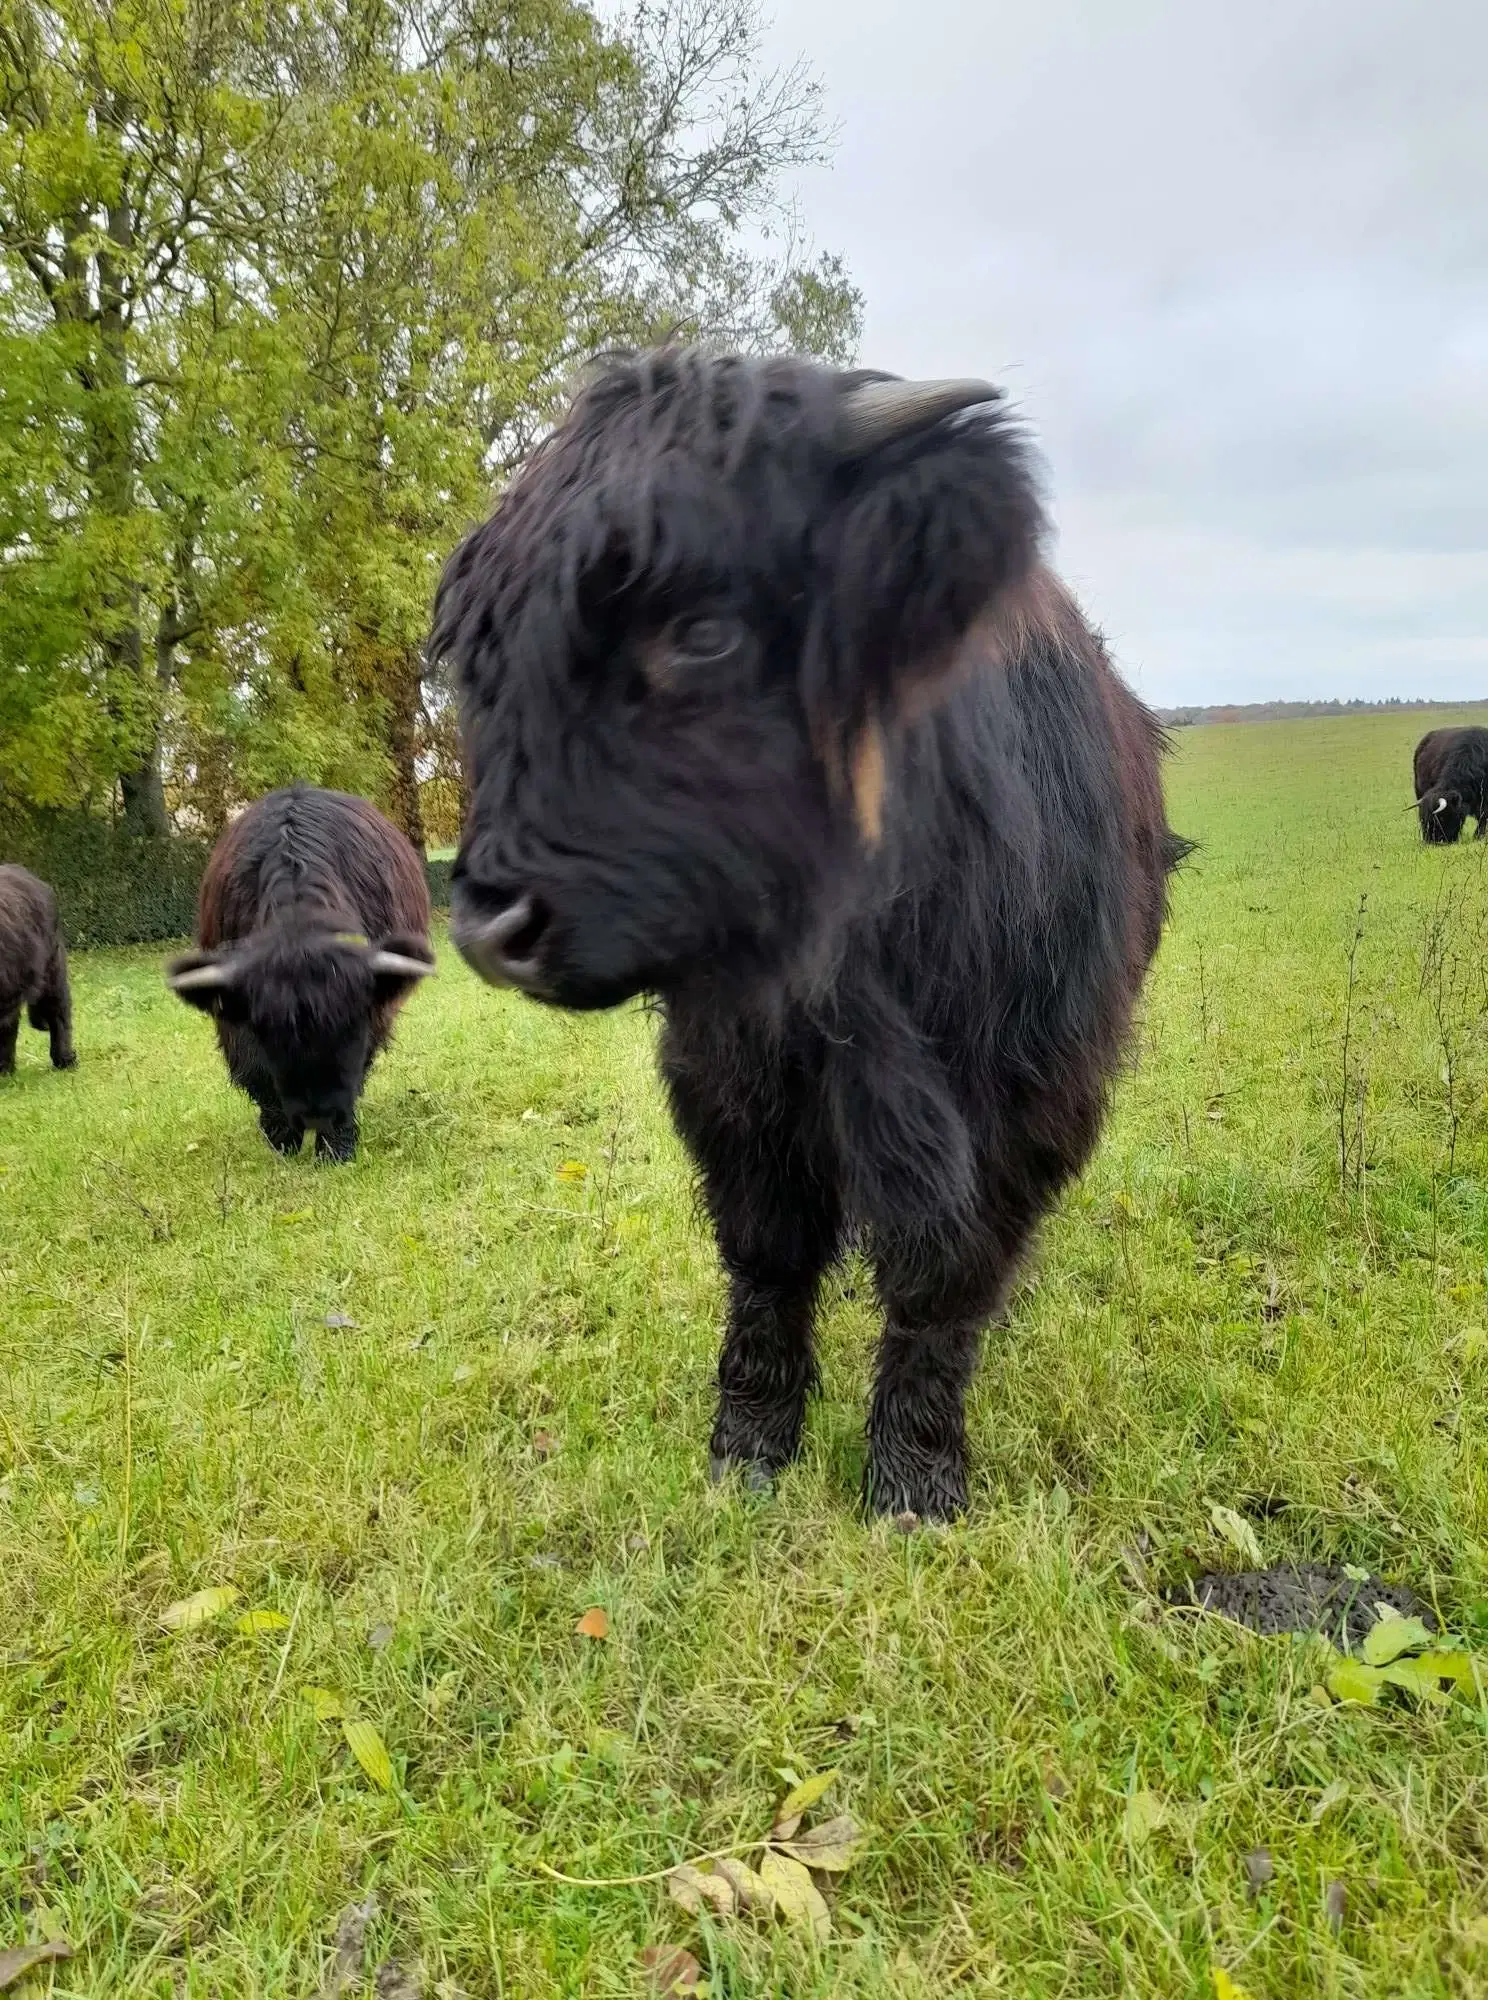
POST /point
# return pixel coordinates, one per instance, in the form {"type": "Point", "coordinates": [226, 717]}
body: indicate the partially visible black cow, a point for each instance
{"type": "Point", "coordinates": [1451, 773]}
{"type": "Point", "coordinates": [33, 968]}
{"type": "Point", "coordinates": [773, 711]}
{"type": "Point", "coordinates": [313, 926]}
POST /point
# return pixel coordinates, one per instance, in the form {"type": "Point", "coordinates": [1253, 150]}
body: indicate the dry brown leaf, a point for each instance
{"type": "Point", "coordinates": [346, 1961]}
{"type": "Point", "coordinates": [832, 1846]}
{"type": "Point", "coordinates": [594, 1624]}
{"type": "Point", "coordinates": [672, 1970]}
{"type": "Point", "coordinates": [699, 1888]}
{"type": "Point", "coordinates": [795, 1895]}
{"type": "Point", "coordinates": [397, 1981]}
{"type": "Point", "coordinates": [24, 1958]}
{"type": "Point", "coordinates": [544, 1444]}
{"type": "Point", "coordinates": [1259, 1869]}
{"type": "Point", "coordinates": [751, 1891]}
{"type": "Point", "coordinates": [1335, 1902]}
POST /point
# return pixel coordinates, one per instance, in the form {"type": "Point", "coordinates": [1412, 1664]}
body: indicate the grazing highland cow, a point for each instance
{"type": "Point", "coordinates": [773, 713]}
{"type": "Point", "coordinates": [312, 923]}
{"type": "Point", "coordinates": [1451, 773]}
{"type": "Point", "coordinates": [33, 968]}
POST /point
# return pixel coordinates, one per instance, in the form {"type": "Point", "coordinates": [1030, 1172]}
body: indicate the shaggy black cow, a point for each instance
{"type": "Point", "coordinates": [312, 922]}
{"type": "Point", "coordinates": [1451, 774]}
{"type": "Point", "coordinates": [772, 712]}
{"type": "Point", "coordinates": [33, 968]}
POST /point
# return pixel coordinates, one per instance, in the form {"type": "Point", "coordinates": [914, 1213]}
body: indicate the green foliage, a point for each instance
{"type": "Point", "coordinates": [115, 887]}
{"type": "Point", "coordinates": [434, 1407]}
{"type": "Point", "coordinates": [283, 289]}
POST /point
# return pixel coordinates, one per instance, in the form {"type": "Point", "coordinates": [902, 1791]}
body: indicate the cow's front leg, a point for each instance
{"type": "Point", "coordinates": [284, 1134]}
{"type": "Point", "coordinates": [777, 1221]}
{"type": "Point", "coordinates": [939, 1289]}
{"type": "Point", "coordinates": [338, 1142]}
{"type": "Point", "coordinates": [9, 1029]}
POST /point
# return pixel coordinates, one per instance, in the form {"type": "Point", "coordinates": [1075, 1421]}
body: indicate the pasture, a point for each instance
{"type": "Point", "coordinates": [432, 1408]}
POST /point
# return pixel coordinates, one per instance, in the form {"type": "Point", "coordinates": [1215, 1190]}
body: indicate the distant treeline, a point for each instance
{"type": "Point", "coordinates": [1286, 711]}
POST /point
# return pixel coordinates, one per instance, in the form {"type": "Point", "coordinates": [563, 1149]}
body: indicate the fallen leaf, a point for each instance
{"type": "Point", "coordinates": [832, 1846]}
{"type": "Point", "coordinates": [380, 1637]}
{"type": "Point", "coordinates": [799, 1800]}
{"type": "Point", "coordinates": [397, 1981]}
{"type": "Point", "coordinates": [1259, 1869]}
{"type": "Point", "coordinates": [24, 1958]}
{"type": "Point", "coordinates": [1331, 1795]}
{"type": "Point", "coordinates": [1454, 1667]}
{"type": "Point", "coordinates": [261, 1621]}
{"type": "Point", "coordinates": [672, 1970]}
{"type": "Point", "coordinates": [751, 1891]}
{"type": "Point", "coordinates": [1272, 1307]}
{"type": "Point", "coordinates": [328, 1707]}
{"type": "Point", "coordinates": [1226, 1988]}
{"type": "Point", "coordinates": [797, 1897]}
{"type": "Point", "coordinates": [347, 1948]}
{"type": "Point", "coordinates": [594, 1624]}
{"type": "Point", "coordinates": [369, 1750]}
{"type": "Point", "coordinates": [1408, 1674]}
{"type": "Point", "coordinates": [1145, 1813]}
{"type": "Point", "coordinates": [296, 1215]}
{"type": "Point", "coordinates": [1349, 1680]}
{"type": "Point", "coordinates": [1238, 1532]}
{"type": "Point", "coordinates": [200, 1609]}
{"type": "Point", "coordinates": [1335, 1902]}
{"type": "Point", "coordinates": [1355, 1574]}
{"type": "Point", "coordinates": [1476, 1932]}
{"type": "Point", "coordinates": [544, 1444]}
{"type": "Point", "coordinates": [698, 1888]}
{"type": "Point", "coordinates": [1391, 1636]}
{"type": "Point", "coordinates": [573, 1170]}
{"type": "Point", "coordinates": [339, 1322]}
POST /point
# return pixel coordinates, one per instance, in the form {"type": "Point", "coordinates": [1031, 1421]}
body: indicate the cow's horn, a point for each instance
{"type": "Point", "coordinates": [199, 978]}
{"type": "Point", "coordinates": [875, 413]}
{"type": "Point", "coordinates": [1441, 805]}
{"type": "Point", "coordinates": [394, 961]}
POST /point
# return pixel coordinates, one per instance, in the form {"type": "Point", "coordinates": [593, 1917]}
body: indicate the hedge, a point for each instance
{"type": "Point", "coordinates": [114, 888]}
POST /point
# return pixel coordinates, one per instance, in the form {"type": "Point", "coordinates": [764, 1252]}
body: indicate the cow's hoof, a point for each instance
{"type": "Point", "coordinates": [754, 1477]}
{"type": "Point", "coordinates": [929, 1495]}
{"type": "Point", "coordinates": [284, 1139]}
{"type": "Point", "coordinates": [64, 1062]}
{"type": "Point", "coordinates": [335, 1152]}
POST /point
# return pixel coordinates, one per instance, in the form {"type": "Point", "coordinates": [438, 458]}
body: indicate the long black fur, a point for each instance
{"type": "Point", "coordinates": [301, 889]}
{"type": "Point", "coordinates": [1450, 768]}
{"type": "Point", "coordinates": [33, 968]}
{"type": "Point", "coordinates": [905, 1030]}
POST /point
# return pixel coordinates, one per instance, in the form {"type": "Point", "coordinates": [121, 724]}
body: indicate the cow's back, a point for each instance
{"type": "Point", "coordinates": [28, 934]}
{"type": "Point", "coordinates": [313, 856]}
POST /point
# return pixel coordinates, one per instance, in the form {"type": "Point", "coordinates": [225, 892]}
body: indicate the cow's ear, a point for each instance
{"type": "Point", "coordinates": [399, 961]}
{"type": "Point", "coordinates": [204, 979]}
{"type": "Point", "coordinates": [936, 520]}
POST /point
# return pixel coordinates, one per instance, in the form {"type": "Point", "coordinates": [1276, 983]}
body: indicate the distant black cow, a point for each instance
{"type": "Point", "coordinates": [312, 922]}
{"type": "Point", "coordinates": [772, 712]}
{"type": "Point", "coordinates": [33, 968]}
{"type": "Point", "coordinates": [1451, 774]}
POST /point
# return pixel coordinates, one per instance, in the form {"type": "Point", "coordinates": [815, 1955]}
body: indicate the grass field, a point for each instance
{"type": "Point", "coordinates": [433, 1407]}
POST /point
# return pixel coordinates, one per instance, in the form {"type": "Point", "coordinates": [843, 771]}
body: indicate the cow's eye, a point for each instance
{"type": "Point", "coordinates": [705, 641]}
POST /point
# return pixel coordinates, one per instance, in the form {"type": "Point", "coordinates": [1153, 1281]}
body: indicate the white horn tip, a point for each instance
{"type": "Point", "coordinates": [407, 968]}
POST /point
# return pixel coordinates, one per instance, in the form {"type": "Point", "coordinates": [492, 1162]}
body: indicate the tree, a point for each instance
{"type": "Point", "coordinates": [287, 285]}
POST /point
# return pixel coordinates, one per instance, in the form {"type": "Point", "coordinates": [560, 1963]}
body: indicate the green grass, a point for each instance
{"type": "Point", "coordinates": [514, 1429]}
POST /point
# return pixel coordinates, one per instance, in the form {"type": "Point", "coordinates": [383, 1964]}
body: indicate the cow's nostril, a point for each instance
{"type": "Point", "coordinates": [502, 941]}
{"type": "Point", "coordinates": [522, 929]}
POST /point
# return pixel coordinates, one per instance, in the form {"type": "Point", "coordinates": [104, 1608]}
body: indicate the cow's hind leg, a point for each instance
{"type": "Point", "coordinates": [10, 1025]}
{"type": "Point", "coordinates": [938, 1292]}
{"type": "Point", "coordinates": [52, 1014]}
{"type": "Point", "coordinates": [777, 1221]}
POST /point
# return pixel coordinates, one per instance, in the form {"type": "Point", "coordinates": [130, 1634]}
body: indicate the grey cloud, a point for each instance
{"type": "Point", "coordinates": [1233, 264]}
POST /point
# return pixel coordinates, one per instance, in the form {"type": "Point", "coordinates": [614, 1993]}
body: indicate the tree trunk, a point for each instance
{"type": "Point", "coordinates": [403, 693]}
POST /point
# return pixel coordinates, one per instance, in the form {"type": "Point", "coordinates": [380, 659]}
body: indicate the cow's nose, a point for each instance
{"type": "Point", "coordinates": [502, 939]}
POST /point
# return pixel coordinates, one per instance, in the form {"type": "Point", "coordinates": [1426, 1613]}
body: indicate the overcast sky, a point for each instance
{"type": "Point", "coordinates": [1231, 258]}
